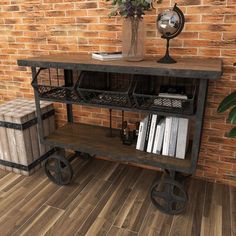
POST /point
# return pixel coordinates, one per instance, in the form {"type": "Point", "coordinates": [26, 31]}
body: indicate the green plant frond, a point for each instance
{"type": "Point", "coordinates": [229, 101]}
{"type": "Point", "coordinates": [232, 133]}
{"type": "Point", "coordinates": [232, 116]}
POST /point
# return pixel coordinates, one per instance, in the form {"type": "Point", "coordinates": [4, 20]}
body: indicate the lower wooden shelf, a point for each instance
{"type": "Point", "coordinates": [93, 140]}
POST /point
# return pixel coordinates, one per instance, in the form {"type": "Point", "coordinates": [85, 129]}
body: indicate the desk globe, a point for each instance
{"type": "Point", "coordinates": [170, 24]}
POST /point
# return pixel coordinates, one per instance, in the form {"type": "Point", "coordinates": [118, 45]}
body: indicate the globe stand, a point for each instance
{"type": "Point", "coordinates": [167, 59]}
{"type": "Point", "coordinates": [170, 22]}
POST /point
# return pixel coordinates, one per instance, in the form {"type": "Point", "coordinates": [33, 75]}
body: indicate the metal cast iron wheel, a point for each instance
{"type": "Point", "coordinates": [58, 170]}
{"type": "Point", "coordinates": [169, 196]}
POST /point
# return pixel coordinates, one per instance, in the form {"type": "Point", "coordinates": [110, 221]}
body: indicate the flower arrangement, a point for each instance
{"type": "Point", "coordinates": [132, 11]}
{"type": "Point", "coordinates": [131, 8]}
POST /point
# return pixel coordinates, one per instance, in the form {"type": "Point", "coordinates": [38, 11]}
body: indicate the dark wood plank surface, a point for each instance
{"type": "Point", "coordinates": [185, 68]}
{"type": "Point", "coordinates": [93, 140]}
{"type": "Point", "coordinates": [110, 199]}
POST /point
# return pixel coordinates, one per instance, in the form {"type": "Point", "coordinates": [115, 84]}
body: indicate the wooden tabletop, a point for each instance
{"type": "Point", "coordinates": [185, 67]}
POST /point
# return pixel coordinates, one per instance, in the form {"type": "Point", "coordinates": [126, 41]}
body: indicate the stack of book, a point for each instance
{"type": "Point", "coordinates": [107, 56]}
{"type": "Point", "coordinates": [163, 135]}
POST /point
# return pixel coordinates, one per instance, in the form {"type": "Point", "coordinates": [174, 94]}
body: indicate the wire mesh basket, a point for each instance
{"type": "Point", "coordinates": [103, 88]}
{"type": "Point", "coordinates": [50, 85]}
{"type": "Point", "coordinates": [175, 95]}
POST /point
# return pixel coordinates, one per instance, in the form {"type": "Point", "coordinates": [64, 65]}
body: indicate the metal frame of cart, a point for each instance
{"type": "Point", "coordinates": [171, 198]}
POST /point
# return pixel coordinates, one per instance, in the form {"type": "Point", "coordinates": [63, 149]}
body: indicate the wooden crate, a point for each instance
{"type": "Point", "coordinates": [20, 148]}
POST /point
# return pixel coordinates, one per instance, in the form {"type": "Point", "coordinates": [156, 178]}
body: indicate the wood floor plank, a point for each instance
{"type": "Point", "coordinates": [18, 215]}
{"type": "Point", "coordinates": [166, 226]}
{"type": "Point", "coordinates": [103, 223]}
{"type": "Point", "coordinates": [115, 231]}
{"type": "Point", "coordinates": [107, 170]}
{"type": "Point", "coordinates": [184, 224]}
{"type": "Point", "coordinates": [233, 210]}
{"type": "Point", "coordinates": [14, 197]}
{"type": "Point", "coordinates": [3, 173]}
{"type": "Point", "coordinates": [91, 167]}
{"type": "Point", "coordinates": [199, 207]}
{"type": "Point", "coordinates": [80, 209]}
{"type": "Point", "coordinates": [226, 215]}
{"type": "Point", "coordinates": [112, 201]}
{"type": "Point", "coordinates": [212, 216]}
{"type": "Point", "coordinates": [99, 228]}
{"type": "Point", "coordinates": [138, 211]}
{"type": "Point", "coordinates": [7, 203]}
{"type": "Point", "coordinates": [7, 180]}
{"type": "Point", "coordinates": [64, 196]}
{"type": "Point", "coordinates": [40, 222]}
{"type": "Point", "coordinates": [106, 199]}
{"type": "Point", "coordinates": [12, 184]}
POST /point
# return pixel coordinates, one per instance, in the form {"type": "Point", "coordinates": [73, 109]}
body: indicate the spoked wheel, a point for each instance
{"type": "Point", "coordinates": [169, 196]}
{"type": "Point", "coordinates": [58, 170]}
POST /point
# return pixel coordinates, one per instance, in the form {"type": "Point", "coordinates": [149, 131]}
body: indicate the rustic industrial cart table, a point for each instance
{"type": "Point", "coordinates": [128, 86]}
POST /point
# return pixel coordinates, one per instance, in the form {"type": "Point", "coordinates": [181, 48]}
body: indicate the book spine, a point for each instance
{"type": "Point", "coordinates": [156, 138]}
{"type": "Point", "coordinates": [142, 134]}
{"type": "Point", "coordinates": [152, 133]}
{"type": "Point", "coordinates": [161, 137]}
{"type": "Point", "coordinates": [147, 132]}
{"type": "Point", "coordinates": [182, 138]}
{"type": "Point", "coordinates": [167, 136]}
{"type": "Point", "coordinates": [173, 137]}
{"type": "Point", "coordinates": [138, 145]}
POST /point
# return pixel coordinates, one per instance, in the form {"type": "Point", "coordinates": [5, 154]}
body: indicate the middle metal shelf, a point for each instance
{"type": "Point", "coordinates": [138, 93]}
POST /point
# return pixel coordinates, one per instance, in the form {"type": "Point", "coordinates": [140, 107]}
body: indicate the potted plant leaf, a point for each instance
{"type": "Point", "coordinates": [227, 103]}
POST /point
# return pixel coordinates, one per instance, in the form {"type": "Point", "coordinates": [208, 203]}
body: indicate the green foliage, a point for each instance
{"type": "Point", "coordinates": [228, 102]}
{"type": "Point", "coordinates": [232, 116]}
{"type": "Point", "coordinates": [131, 8]}
{"type": "Point", "coordinates": [232, 133]}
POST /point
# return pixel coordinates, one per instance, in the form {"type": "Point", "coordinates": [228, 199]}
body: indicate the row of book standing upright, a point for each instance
{"type": "Point", "coordinates": [163, 135]}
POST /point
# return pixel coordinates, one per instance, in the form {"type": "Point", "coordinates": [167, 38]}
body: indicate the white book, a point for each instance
{"type": "Point", "coordinates": [106, 56]}
{"type": "Point", "coordinates": [152, 133]}
{"type": "Point", "coordinates": [173, 136]}
{"type": "Point", "coordinates": [142, 134]}
{"type": "Point", "coordinates": [159, 136]}
{"type": "Point", "coordinates": [166, 142]}
{"type": "Point", "coordinates": [182, 138]}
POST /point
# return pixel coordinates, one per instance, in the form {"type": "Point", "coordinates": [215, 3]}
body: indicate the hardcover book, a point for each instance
{"type": "Point", "coordinates": [142, 134]}
{"type": "Point", "coordinates": [147, 132]}
{"type": "Point", "coordinates": [173, 136]}
{"type": "Point", "coordinates": [182, 138]}
{"type": "Point", "coordinates": [159, 136]}
{"type": "Point", "coordinates": [152, 133]}
{"type": "Point", "coordinates": [166, 142]}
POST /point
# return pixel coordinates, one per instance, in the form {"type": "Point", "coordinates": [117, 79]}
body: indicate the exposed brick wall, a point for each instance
{"type": "Point", "coordinates": [36, 27]}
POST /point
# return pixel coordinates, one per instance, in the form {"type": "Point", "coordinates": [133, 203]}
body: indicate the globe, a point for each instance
{"type": "Point", "coordinates": [168, 23]}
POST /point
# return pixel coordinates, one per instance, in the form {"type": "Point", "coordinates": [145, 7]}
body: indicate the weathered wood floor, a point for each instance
{"type": "Point", "coordinates": [107, 198]}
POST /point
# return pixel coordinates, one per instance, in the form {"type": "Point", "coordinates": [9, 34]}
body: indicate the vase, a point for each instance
{"type": "Point", "coordinates": [133, 39]}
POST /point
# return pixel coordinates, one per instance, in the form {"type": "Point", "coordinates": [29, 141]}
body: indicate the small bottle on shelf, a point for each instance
{"type": "Point", "coordinates": [126, 134]}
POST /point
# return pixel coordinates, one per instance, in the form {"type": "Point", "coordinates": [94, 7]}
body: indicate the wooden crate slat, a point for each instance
{"type": "Point", "coordinates": [22, 146]}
